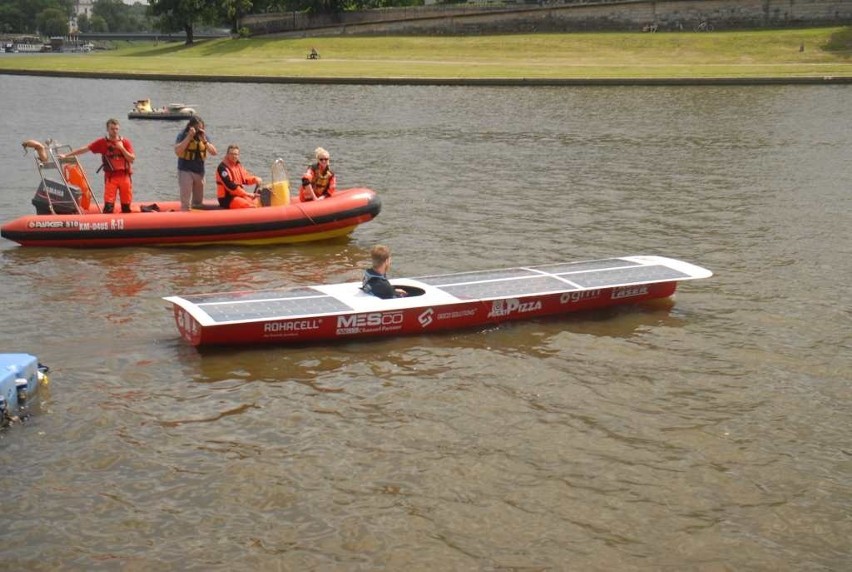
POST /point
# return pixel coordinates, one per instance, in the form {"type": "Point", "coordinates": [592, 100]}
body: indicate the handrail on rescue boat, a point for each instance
{"type": "Point", "coordinates": [69, 169]}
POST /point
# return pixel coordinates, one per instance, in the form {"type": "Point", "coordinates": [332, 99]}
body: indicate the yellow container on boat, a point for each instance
{"type": "Point", "coordinates": [280, 184]}
{"type": "Point", "coordinates": [280, 193]}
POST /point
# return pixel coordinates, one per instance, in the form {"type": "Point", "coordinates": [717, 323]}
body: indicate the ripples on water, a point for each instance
{"type": "Point", "coordinates": [709, 432]}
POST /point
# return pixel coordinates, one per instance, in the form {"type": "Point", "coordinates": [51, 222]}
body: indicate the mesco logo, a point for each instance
{"type": "Point", "coordinates": [371, 320]}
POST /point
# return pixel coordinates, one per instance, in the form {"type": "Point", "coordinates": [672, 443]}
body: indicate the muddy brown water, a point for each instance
{"type": "Point", "coordinates": [709, 432]}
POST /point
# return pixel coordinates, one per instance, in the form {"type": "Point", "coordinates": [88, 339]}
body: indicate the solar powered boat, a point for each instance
{"type": "Point", "coordinates": [434, 303]}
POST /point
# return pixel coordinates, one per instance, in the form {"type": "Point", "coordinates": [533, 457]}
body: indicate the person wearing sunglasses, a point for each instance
{"type": "Point", "coordinates": [318, 182]}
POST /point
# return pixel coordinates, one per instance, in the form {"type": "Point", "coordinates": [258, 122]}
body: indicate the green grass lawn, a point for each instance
{"type": "Point", "coordinates": [767, 53]}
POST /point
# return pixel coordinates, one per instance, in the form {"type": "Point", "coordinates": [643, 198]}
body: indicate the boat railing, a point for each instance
{"type": "Point", "coordinates": [70, 177]}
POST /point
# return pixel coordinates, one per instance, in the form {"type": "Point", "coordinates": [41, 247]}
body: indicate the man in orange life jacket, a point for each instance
{"type": "Point", "coordinates": [230, 178]}
{"type": "Point", "coordinates": [117, 156]}
{"type": "Point", "coordinates": [318, 181]}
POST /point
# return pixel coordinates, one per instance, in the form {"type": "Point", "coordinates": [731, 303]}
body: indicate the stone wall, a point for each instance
{"type": "Point", "coordinates": [585, 16]}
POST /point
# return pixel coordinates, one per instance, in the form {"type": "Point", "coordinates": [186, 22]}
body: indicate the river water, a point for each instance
{"type": "Point", "coordinates": [708, 433]}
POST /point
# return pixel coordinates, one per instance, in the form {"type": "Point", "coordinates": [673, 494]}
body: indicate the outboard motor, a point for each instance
{"type": "Point", "coordinates": [64, 199]}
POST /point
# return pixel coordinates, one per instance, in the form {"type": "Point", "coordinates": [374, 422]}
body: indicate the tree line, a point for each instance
{"type": "Point", "coordinates": [53, 17]}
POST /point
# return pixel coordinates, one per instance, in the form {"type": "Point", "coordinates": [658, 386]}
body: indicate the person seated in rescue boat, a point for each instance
{"type": "Point", "coordinates": [230, 178]}
{"type": "Point", "coordinates": [117, 156]}
{"type": "Point", "coordinates": [319, 181]}
{"type": "Point", "coordinates": [375, 279]}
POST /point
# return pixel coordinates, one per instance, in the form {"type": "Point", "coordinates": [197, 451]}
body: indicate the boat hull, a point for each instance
{"type": "Point", "coordinates": [296, 222]}
{"type": "Point", "coordinates": [162, 115]}
{"type": "Point", "coordinates": [449, 302]}
{"type": "Point", "coordinates": [142, 109]}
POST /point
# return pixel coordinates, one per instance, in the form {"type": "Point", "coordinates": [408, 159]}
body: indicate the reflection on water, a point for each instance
{"type": "Point", "coordinates": [704, 431]}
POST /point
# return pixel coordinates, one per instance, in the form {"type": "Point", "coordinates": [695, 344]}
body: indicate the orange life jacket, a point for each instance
{"type": "Point", "coordinates": [320, 181]}
{"type": "Point", "coordinates": [238, 177]}
{"type": "Point", "coordinates": [113, 160]}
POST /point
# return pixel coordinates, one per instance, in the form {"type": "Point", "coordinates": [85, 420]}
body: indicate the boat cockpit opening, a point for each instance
{"type": "Point", "coordinates": [411, 291]}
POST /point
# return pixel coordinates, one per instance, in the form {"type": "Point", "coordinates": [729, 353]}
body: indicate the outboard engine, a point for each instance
{"type": "Point", "coordinates": [64, 199]}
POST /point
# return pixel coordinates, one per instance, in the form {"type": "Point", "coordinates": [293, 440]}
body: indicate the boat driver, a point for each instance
{"type": "Point", "coordinates": [375, 280]}
{"type": "Point", "coordinates": [230, 178]}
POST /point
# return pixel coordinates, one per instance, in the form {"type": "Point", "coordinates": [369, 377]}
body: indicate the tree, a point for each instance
{"type": "Point", "coordinates": [98, 25]}
{"type": "Point", "coordinates": [233, 10]}
{"type": "Point", "coordinates": [83, 23]}
{"type": "Point", "coordinates": [177, 15]}
{"type": "Point", "coordinates": [139, 19]}
{"type": "Point", "coordinates": [12, 19]}
{"type": "Point", "coordinates": [23, 16]}
{"type": "Point", "coordinates": [53, 22]}
{"type": "Point", "coordinates": [325, 6]}
{"type": "Point", "coordinates": [114, 12]}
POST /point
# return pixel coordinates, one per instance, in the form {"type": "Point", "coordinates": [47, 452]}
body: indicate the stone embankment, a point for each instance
{"type": "Point", "coordinates": [549, 16]}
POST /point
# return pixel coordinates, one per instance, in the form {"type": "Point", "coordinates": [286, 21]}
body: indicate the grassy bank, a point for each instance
{"type": "Point", "coordinates": [772, 53]}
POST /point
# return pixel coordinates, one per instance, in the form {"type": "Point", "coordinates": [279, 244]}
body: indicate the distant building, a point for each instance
{"type": "Point", "coordinates": [83, 7]}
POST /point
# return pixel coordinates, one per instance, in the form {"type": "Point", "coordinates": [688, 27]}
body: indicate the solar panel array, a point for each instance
{"type": "Point", "coordinates": [562, 277]}
{"type": "Point", "coordinates": [264, 304]}
{"type": "Point", "coordinates": [508, 288]}
{"type": "Point", "coordinates": [627, 275]}
{"type": "Point", "coordinates": [489, 284]}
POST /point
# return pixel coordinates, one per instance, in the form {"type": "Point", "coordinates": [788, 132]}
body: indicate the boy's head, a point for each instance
{"type": "Point", "coordinates": [380, 254]}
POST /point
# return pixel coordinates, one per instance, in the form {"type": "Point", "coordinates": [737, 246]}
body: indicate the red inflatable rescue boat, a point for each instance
{"type": "Point", "coordinates": [68, 215]}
